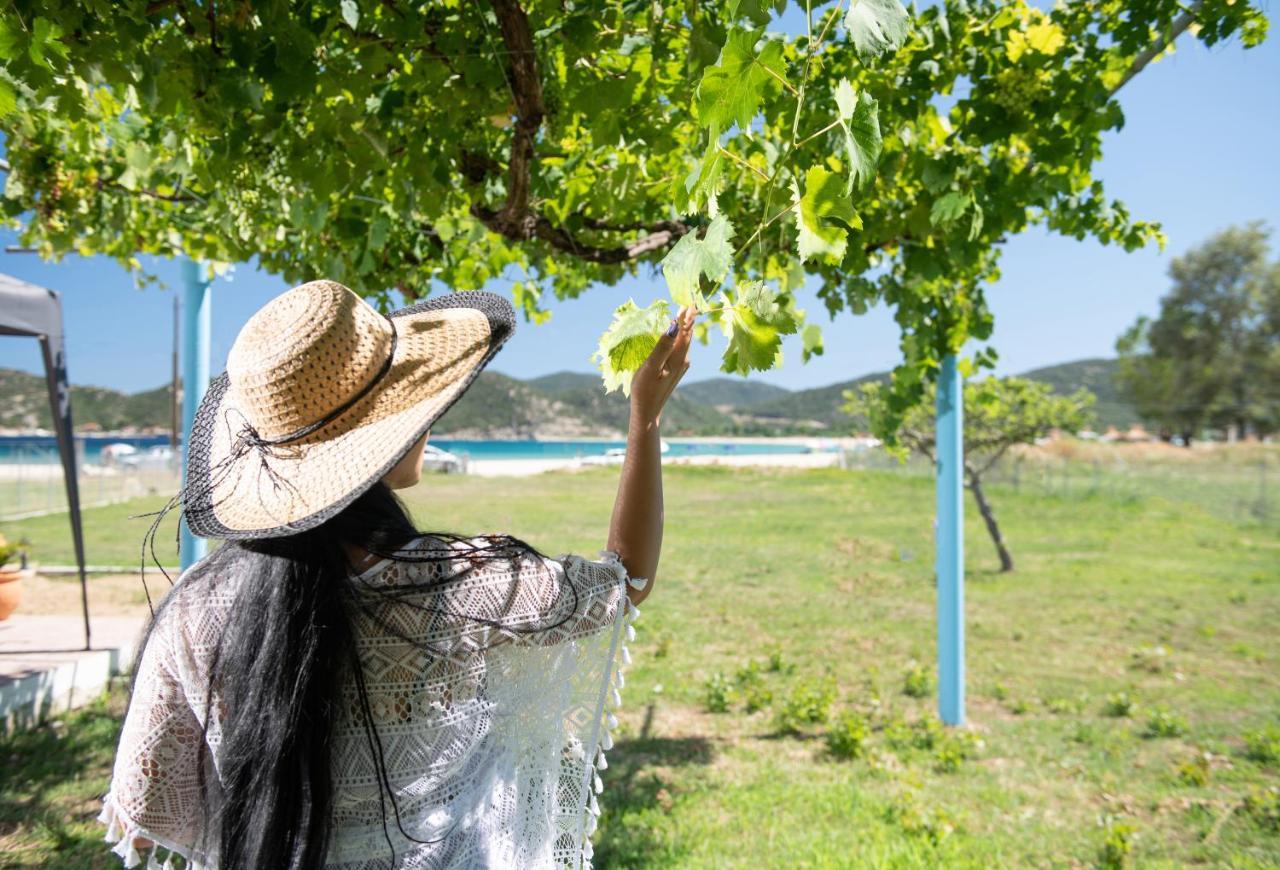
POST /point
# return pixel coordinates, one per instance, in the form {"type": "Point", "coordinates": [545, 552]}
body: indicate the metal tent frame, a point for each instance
{"type": "Point", "coordinates": [36, 312]}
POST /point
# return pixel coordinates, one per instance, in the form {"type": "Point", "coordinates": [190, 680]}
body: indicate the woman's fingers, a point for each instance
{"type": "Point", "coordinates": [666, 343]}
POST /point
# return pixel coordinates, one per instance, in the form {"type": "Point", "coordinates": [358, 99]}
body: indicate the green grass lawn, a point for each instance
{"type": "Point", "coordinates": [1121, 604]}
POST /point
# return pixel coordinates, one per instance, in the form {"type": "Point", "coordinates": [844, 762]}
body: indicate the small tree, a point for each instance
{"type": "Point", "coordinates": [998, 413]}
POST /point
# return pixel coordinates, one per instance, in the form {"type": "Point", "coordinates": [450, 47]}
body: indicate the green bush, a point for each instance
{"type": "Point", "coordinates": [718, 693]}
{"type": "Point", "coordinates": [848, 735]}
{"type": "Point", "coordinates": [1119, 705]}
{"type": "Point", "coordinates": [1262, 805]}
{"type": "Point", "coordinates": [1117, 844]}
{"type": "Point", "coordinates": [1263, 745]}
{"type": "Point", "coordinates": [808, 702]}
{"type": "Point", "coordinates": [954, 748]}
{"type": "Point", "coordinates": [1163, 723]}
{"type": "Point", "coordinates": [1195, 771]}
{"type": "Point", "coordinates": [918, 681]}
{"type": "Point", "coordinates": [756, 695]}
{"type": "Point", "coordinates": [928, 822]}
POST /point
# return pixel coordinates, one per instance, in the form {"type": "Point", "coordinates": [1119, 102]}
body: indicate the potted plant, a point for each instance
{"type": "Point", "coordinates": [13, 567]}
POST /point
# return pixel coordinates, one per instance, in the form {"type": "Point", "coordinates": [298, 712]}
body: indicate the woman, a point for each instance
{"type": "Point", "coordinates": [333, 687]}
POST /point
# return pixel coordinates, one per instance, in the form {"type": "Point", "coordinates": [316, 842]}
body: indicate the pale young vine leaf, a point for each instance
{"type": "Point", "coordinates": [629, 340]}
{"type": "Point", "coordinates": [824, 216]}
{"type": "Point", "coordinates": [860, 122]}
{"type": "Point", "coordinates": [811, 341]}
{"type": "Point", "coordinates": [692, 259]}
{"type": "Point", "coordinates": [876, 26]}
{"type": "Point", "coordinates": [350, 13]}
{"type": "Point", "coordinates": [731, 91]}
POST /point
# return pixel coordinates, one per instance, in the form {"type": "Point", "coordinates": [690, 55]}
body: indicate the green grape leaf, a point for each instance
{"type": "Point", "coordinates": [759, 11]}
{"type": "Point", "coordinates": [9, 39]}
{"type": "Point", "coordinates": [755, 324]}
{"type": "Point", "coordinates": [876, 26]}
{"type": "Point", "coordinates": [975, 224]}
{"type": "Point", "coordinates": [629, 340]}
{"type": "Point", "coordinates": [44, 38]}
{"type": "Point", "coordinates": [824, 216]}
{"type": "Point", "coordinates": [8, 98]}
{"type": "Point", "coordinates": [860, 122]}
{"type": "Point", "coordinates": [811, 341]}
{"type": "Point", "coordinates": [948, 209]}
{"type": "Point", "coordinates": [692, 259]}
{"type": "Point", "coordinates": [701, 182]}
{"type": "Point", "coordinates": [731, 91]}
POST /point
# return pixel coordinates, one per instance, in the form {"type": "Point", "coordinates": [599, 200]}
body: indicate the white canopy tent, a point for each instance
{"type": "Point", "coordinates": [34, 312]}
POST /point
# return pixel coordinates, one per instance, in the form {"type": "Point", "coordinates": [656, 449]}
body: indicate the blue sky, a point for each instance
{"type": "Point", "coordinates": [1199, 151]}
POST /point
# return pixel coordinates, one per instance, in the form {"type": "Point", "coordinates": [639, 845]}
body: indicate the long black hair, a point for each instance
{"type": "Point", "coordinates": [286, 642]}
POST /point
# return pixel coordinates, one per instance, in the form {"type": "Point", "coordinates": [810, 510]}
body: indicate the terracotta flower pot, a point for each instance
{"type": "Point", "coordinates": [10, 590]}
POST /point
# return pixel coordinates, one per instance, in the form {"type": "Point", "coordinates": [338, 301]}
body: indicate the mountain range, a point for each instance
{"type": "Point", "coordinates": [568, 405]}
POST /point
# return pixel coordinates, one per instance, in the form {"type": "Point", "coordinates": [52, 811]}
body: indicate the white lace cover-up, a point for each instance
{"type": "Point", "coordinates": [491, 752]}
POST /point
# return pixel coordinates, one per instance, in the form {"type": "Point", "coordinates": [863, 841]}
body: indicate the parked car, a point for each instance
{"type": "Point", "coordinates": [160, 456]}
{"type": "Point", "coordinates": [435, 459]}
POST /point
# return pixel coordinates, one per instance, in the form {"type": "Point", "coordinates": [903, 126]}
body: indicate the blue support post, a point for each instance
{"type": "Point", "coordinates": [950, 542]}
{"type": "Point", "coordinates": [195, 377]}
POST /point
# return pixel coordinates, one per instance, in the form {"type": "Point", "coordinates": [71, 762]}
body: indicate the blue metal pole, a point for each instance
{"type": "Point", "coordinates": [950, 543]}
{"type": "Point", "coordinates": [195, 377]}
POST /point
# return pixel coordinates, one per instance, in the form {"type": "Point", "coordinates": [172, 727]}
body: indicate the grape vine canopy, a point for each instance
{"type": "Point", "coordinates": [881, 156]}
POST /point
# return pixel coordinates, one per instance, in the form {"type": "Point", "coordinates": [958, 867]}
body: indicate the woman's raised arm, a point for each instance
{"type": "Point", "coordinates": [635, 532]}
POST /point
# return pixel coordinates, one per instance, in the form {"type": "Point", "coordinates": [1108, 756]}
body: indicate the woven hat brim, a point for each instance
{"type": "Point", "coordinates": [442, 345]}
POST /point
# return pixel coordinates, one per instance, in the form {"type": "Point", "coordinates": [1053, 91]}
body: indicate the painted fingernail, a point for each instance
{"type": "Point", "coordinates": [671, 330]}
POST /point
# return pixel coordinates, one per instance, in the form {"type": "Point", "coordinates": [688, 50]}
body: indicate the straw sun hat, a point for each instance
{"type": "Point", "coordinates": [322, 396]}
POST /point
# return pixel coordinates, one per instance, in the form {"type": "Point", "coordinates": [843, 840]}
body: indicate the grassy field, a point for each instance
{"type": "Point", "coordinates": [1124, 683]}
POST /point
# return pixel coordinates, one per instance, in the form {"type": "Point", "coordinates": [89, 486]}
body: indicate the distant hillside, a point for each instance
{"type": "Point", "coordinates": [820, 405]}
{"type": "Point", "coordinates": [24, 404]}
{"type": "Point", "coordinates": [737, 392]}
{"type": "Point", "coordinates": [1096, 376]}
{"type": "Point", "coordinates": [571, 405]}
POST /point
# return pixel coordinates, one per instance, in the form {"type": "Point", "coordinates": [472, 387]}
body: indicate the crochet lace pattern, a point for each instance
{"type": "Point", "coordinates": [493, 736]}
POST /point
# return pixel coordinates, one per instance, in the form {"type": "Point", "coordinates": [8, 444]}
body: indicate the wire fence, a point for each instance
{"type": "Point", "coordinates": [1245, 491]}
{"type": "Point", "coordinates": [32, 483]}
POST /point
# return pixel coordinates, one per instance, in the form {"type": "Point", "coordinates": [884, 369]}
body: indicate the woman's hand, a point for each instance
{"type": "Point", "coordinates": [656, 379]}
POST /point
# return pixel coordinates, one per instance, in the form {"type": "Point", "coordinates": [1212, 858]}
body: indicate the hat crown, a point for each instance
{"type": "Point", "coordinates": [305, 354]}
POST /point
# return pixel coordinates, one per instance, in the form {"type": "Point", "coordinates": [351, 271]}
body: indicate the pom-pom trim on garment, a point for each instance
{"type": "Point", "coordinates": [123, 832]}
{"type": "Point", "coordinates": [609, 719]}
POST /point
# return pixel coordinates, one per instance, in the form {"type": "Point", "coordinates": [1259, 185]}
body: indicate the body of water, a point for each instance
{"type": "Point", "coordinates": [36, 449]}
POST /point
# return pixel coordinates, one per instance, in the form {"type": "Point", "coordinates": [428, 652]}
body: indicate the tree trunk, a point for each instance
{"type": "Point", "coordinates": [1006, 560]}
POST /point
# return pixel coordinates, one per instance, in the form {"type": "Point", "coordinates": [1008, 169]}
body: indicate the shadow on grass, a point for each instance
{"type": "Point", "coordinates": [636, 795]}
{"type": "Point", "coordinates": [51, 780]}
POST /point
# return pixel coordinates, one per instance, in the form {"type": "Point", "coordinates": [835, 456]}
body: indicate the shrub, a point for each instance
{"type": "Point", "coordinates": [1162, 723]}
{"type": "Point", "coordinates": [1117, 844]}
{"type": "Point", "coordinates": [808, 702]}
{"type": "Point", "coordinates": [719, 694]}
{"type": "Point", "coordinates": [1119, 705]}
{"type": "Point", "coordinates": [755, 694]}
{"type": "Point", "coordinates": [848, 735]}
{"type": "Point", "coordinates": [929, 822]}
{"type": "Point", "coordinates": [1263, 745]}
{"type": "Point", "coordinates": [918, 681]}
{"type": "Point", "coordinates": [955, 747]}
{"type": "Point", "coordinates": [1195, 771]}
{"type": "Point", "coordinates": [775, 662]}
{"type": "Point", "coordinates": [1263, 806]}
{"type": "Point", "coordinates": [924, 733]}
